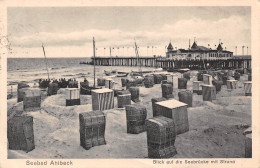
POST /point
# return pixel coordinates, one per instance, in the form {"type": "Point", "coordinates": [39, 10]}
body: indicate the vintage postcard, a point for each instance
{"type": "Point", "coordinates": [130, 84]}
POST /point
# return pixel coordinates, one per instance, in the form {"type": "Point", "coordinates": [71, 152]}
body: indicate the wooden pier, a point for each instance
{"type": "Point", "coordinates": [162, 62]}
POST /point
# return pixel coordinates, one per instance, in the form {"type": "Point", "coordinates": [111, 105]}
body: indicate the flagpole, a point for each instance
{"type": "Point", "coordinates": [94, 49]}
{"type": "Point", "coordinates": [138, 61]}
{"type": "Point", "coordinates": [110, 56]}
{"type": "Point", "coordinates": [45, 62]}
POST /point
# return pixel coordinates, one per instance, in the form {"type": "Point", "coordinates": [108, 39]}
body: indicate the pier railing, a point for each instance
{"type": "Point", "coordinates": [168, 63]}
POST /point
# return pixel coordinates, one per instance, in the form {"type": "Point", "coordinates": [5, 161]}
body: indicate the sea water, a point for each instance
{"type": "Point", "coordinates": [31, 70]}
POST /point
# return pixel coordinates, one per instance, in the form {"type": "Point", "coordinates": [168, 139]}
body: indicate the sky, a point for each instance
{"type": "Point", "coordinates": [69, 31]}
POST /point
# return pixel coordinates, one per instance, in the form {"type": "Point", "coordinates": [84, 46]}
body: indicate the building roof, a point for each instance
{"type": "Point", "coordinates": [196, 47]}
{"type": "Point", "coordinates": [219, 47]}
{"type": "Point", "coordinates": [203, 48]}
{"type": "Point", "coordinates": [170, 46]}
{"type": "Point", "coordinates": [200, 50]}
{"type": "Point", "coordinates": [183, 50]}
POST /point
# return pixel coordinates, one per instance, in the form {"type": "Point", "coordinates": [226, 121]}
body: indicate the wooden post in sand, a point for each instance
{"type": "Point", "coordinates": [94, 49]}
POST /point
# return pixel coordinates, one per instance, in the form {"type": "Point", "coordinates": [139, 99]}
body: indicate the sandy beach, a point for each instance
{"type": "Point", "coordinates": [215, 128]}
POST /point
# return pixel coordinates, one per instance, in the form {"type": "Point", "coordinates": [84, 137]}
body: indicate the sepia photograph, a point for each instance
{"type": "Point", "coordinates": [128, 82]}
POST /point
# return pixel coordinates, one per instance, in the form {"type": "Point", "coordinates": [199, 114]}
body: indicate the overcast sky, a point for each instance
{"type": "Point", "coordinates": [68, 32]}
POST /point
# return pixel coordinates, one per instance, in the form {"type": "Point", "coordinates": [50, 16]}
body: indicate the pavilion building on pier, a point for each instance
{"type": "Point", "coordinates": [198, 52]}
